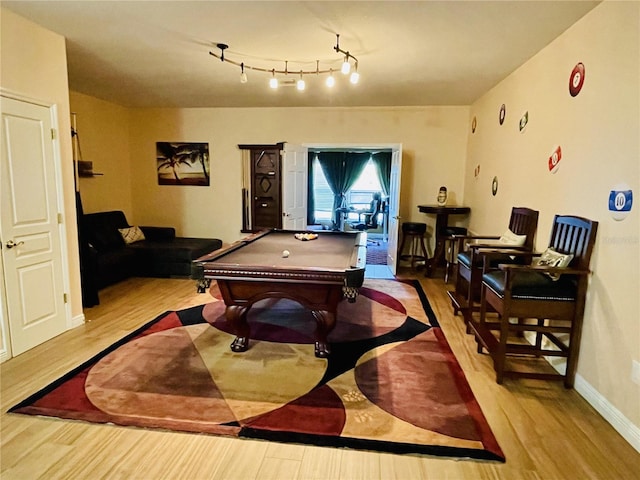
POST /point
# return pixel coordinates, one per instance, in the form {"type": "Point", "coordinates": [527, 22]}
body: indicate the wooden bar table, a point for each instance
{"type": "Point", "coordinates": [442, 213]}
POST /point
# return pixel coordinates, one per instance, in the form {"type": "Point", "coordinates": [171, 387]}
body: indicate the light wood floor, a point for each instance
{"type": "Point", "coordinates": [545, 431]}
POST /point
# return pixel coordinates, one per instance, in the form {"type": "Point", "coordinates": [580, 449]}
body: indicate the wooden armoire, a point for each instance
{"type": "Point", "coordinates": [262, 190]}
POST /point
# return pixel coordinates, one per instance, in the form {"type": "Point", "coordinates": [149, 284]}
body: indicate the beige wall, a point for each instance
{"type": "Point", "coordinates": [34, 65]}
{"type": "Point", "coordinates": [433, 139]}
{"type": "Point", "coordinates": [103, 130]}
{"type": "Point", "coordinates": [598, 131]}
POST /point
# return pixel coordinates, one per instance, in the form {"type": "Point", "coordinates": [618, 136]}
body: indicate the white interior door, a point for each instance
{"type": "Point", "coordinates": [30, 231]}
{"type": "Point", "coordinates": [5, 345]}
{"type": "Point", "coordinates": [394, 205]}
{"type": "Point", "coordinates": [294, 187]}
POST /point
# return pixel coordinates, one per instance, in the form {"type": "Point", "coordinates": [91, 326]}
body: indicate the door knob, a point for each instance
{"type": "Point", "coordinates": [11, 244]}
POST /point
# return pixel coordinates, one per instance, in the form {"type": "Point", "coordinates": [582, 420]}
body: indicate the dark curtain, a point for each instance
{"type": "Point", "coordinates": [382, 160]}
{"type": "Point", "coordinates": [88, 270]}
{"type": "Point", "coordinates": [341, 170]}
{"type": "Point", "coordinates": [311, 198]}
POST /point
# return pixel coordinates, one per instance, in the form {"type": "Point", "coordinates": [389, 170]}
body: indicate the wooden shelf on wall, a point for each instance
{"type": "Point", "coordinates": [85, 169]}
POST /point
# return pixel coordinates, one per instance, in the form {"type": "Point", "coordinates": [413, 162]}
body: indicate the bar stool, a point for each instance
{"type": "Point", "coordinates": [413, 235]}
{"type": "Point", "coordinates": [450, 248]}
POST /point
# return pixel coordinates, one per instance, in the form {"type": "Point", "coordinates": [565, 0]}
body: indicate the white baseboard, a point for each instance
{"type": "Point", "coordinates": [629, 431]}
{"type": "Point", "coordinates": [620, 423]}
{"type": "Point", "coordinates": [77, 321]}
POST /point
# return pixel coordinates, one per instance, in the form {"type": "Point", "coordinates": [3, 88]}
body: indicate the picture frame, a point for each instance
{"type": "Point", "coordinates": [183, 163]}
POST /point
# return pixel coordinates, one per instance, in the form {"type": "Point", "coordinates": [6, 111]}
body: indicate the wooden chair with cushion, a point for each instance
{"type": "Point", "coordinates": [540, 306]}
{"type": "Point", "coordinates": [519, 236]}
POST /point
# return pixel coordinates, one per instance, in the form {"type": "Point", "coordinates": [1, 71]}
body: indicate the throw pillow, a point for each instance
{"type": "Point", "coordinates": [131, 234]}
{"type": "Point", "coordinates": [510, 238]}
{"type": "Point", "coordinates": [551, 258]}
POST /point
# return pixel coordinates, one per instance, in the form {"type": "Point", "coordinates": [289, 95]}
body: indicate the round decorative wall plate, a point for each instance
{"type": "Point", "coordinates": [494, 186]}
{"type": "Point", "coordinates": [503, 113]}
{"type": "Point", "coordinates": [523, 121]}
{"type": "Point", "coordinates": [620, 201]}
{"type": "Point", "coordinates": [576, 80]}
{"type": "Point", "coordinates": [554, 160]}
{"type": "Point", "coordinates": [474, 124]}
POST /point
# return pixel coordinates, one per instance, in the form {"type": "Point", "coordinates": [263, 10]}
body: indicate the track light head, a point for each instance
{"type": "Point", "coordinates": [330, 80]}
{"type": "Point", "coordinates": [273, 81]}
{"type": "Point", "coordinates": [346, 66]}
{"type": "Point", "coordinates": [243, 76]}
{"type": "Point", "coordinates": [355, 76]}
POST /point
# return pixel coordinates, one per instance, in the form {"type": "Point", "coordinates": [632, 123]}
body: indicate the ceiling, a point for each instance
{"type": "Point", "coordinates": [156, 53]}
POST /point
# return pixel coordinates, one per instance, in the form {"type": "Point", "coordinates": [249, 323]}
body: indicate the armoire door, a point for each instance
{"type": "Point", "coordinates": [266, 194]}
{"type": "Point", "coordinates": [30, 227]}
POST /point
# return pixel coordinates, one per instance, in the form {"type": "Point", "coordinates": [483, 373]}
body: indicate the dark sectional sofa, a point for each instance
{"type": "Point", "coordinates": [160, 254]}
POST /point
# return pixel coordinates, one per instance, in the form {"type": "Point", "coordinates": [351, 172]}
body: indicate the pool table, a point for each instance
{"type": "Point", "coordinates": [316, 273]}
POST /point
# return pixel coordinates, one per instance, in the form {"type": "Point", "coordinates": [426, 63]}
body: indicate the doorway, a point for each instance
{"type": "Point", "coordinates": [355, 201]}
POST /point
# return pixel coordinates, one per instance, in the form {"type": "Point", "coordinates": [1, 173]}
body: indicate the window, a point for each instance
{"type": "Point", "coordinates": [359, 197]}
{"type": "Point", "coordinates": [362, 191]}
{"type": "Point", "coordinates": [322, 194]}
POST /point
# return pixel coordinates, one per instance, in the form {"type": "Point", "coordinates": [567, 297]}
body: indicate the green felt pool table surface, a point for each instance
{"type": "Point", "coordinates": [330, 251]}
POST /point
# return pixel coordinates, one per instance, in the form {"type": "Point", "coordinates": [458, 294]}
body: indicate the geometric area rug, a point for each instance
{"type": "Point", "coordinates": [391, 383]}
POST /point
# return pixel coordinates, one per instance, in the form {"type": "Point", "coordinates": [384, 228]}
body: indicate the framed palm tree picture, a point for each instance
{"type": "Point", "coordinates": [182, 163]}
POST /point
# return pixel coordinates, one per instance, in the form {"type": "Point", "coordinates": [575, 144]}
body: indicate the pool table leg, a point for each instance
{"type": "Point", "coordinates": [325, 322]}
{"type": "Point", "coordinates": [236, 315]}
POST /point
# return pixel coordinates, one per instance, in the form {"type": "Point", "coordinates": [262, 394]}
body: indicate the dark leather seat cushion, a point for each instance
{"type": "Point", "coordinates": [180, 249]}
{"type": "Point", "coordinates": [533, 285]}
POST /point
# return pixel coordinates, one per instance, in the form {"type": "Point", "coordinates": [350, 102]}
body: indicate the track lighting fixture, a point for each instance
{"type": "Point", "coordinates": [349, 62]}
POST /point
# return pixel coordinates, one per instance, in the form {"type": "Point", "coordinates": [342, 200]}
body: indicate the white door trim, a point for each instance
{"type": "Point", "coordinates": [392, 262]}
{"type": "Point", "coordinates": [57, 159]}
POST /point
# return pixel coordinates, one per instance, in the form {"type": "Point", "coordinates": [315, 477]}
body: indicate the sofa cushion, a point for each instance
{"type": "Point", "coordinates": [101, 229]}
{"type": "Point", "coordinates": [510, 238]}
{"type": "Point", "coordinates": [180, 249]}
{"type": "Point", "coordinates": [131, 234]}
{"type": "Point", "coordinates": [158, 233]}
{"type": "Point", "coordinates": [551, 258]}
{"type": "Point", "coordinates": [113, 266]}
{"type": "Point", "coordinates": [158, 258]}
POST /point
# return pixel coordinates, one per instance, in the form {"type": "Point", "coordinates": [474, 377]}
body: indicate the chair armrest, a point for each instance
{"type": "Point", "coordinates": [461, 239]}
{"type": "Point", "coordinates": [508, 250]}
{"type": "Point", "coordinates": [543, 269]}
{"type": "Point", "coordinates": [520, 257]}
{"type": "Point", "coordinates": [488, 247]}
{"type": "Point", "coordinates": [476, 237]}
{"type": "Point", "coordinates": [159, 233]}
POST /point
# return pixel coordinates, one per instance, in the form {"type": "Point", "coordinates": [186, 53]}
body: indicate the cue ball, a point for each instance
{"type": "Point", "coordinates": [285, 253]}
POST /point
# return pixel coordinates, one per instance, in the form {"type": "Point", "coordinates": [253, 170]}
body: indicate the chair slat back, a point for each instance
{"type": "Point", "coordinates": [524, 221]}
{"type": "Point", "coordinates": [574, 235]}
